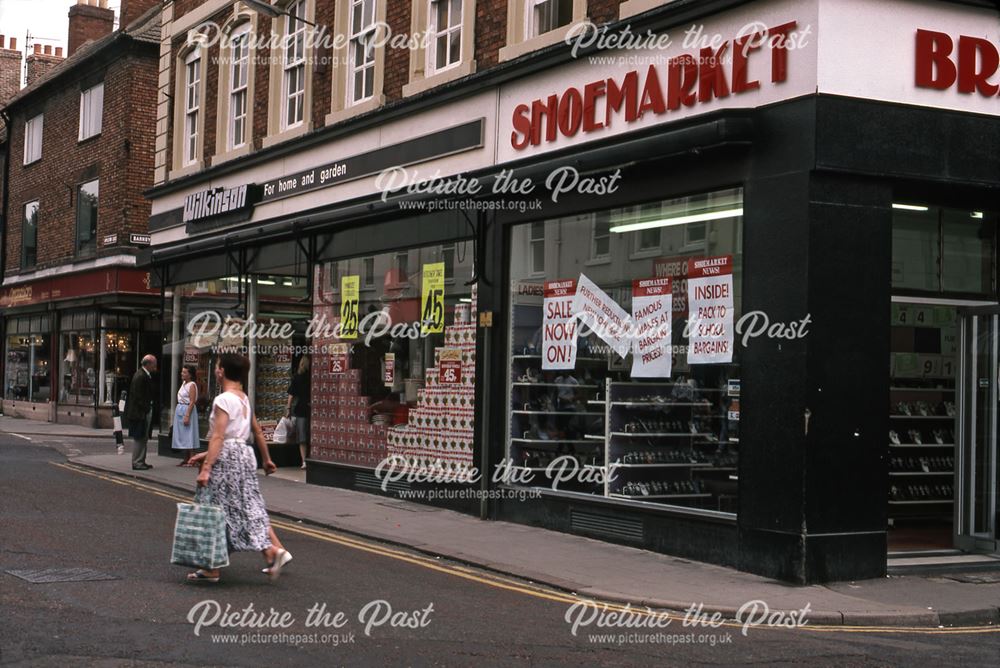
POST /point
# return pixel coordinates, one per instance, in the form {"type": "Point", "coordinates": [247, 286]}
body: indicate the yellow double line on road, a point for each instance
{"type": "Point", "coordinates": [508, 584]}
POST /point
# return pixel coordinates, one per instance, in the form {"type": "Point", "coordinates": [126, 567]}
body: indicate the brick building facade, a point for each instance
{"type": "Point", "coordinates": [80, 138]}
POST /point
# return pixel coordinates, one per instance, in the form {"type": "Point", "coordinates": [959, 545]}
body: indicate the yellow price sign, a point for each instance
{"type": "Point", "coordinates": [350, 292]}
{"type": "Point", "coordinates": [432, 301]}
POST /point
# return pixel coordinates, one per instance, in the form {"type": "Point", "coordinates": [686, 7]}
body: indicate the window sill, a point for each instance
{"type": "Point", "coordinates": [512, 51]}
{"type": "Point", "coordinates": [421, 84]}
{"type": "Point", "coordinates": [87, 139]}
{"type": "Point", "coordinates": [33, 162]}
{"type": "Point", "coordinates": [285, 135]}
{"type": "Point", "coordinates": [220, 158]}
{"type": "Point", "coordinates": [355, 110]}
{"type": "Point", "coordinates": [193, 168]}
{"type": "Point", "coordinates": [596, 261]}
{"type": "Point", "coordinates": [646, 254]}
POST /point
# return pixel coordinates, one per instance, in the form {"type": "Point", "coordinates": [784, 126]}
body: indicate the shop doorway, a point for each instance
{"type": "Point", "coordinates": [976, 461]}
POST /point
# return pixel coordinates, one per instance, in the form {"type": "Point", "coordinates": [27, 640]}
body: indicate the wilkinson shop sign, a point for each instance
{"type": "Point", "coordinates": [228, 204]}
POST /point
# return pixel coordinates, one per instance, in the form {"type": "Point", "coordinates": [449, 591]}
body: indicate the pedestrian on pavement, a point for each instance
{"type": "Point", "coordinates": [139, 411]}
{"type": "Point", "coordinates": [185, 435]}
{"type": "Point", "coordinates": [299, 406]}
{"type": "Point", "coordinates": [229, 471]}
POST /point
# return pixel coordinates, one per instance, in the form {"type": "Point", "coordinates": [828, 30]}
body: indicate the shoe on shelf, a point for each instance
{"type": "Point", "coordinates": [894, 438]}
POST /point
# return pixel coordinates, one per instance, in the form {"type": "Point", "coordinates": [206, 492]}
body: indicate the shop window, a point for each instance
{"type": "Point", "coordinates": [399, 380]}
{"type": "Point", "coordinates": [649, 414]}
{"type": "Point", "coordinates": [943, 250]}
{"type": "Point", "coordinates": [26, 372]}
{"type": "Point", "coordinates": [33, 139]}
{"type": "Point", "coordinates": [120, 363]}
{"type": "Point", "coordinates": [78, 373]}
{"type": "Point", "coordinates": [29, 235]}
{"type": "Point", "coordinates": [91, 111]}
{"type": "Point", "coordinates": [86, 217]}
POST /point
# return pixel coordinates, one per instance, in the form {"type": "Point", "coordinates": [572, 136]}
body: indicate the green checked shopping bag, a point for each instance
{"type": "Point", "coordinates": [200, 534]}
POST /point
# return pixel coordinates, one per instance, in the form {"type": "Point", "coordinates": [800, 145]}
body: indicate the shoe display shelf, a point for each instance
{"type": "Point", "coordinates": [554, 414]}
{"type": "Point", "coordinates": [659, 436]}
{"type": "Point", "coordinates": [921, 448]}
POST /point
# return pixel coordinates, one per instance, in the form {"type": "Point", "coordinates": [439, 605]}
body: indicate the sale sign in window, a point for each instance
{"type": "Point", "coordinates": [710, 315]}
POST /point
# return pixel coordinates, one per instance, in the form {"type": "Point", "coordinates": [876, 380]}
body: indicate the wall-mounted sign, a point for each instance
{"type": "Point", "coordinates": [138, 239]}
{"type": "Point", "coordinates": [109, 240]}
{"type": "Point", "coordinates": [228, 204]}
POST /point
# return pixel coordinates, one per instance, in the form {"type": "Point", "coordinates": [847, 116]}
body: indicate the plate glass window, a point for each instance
{"type": "Point", "coordinates": [91, 111]}
{"type": "Point", "coordinates": [192, 106]}
{"type": "Point", "coordinates": [33, 139]}
{"type": "Point", "coordinates": [295, 66]}
{"type": "Point", "coordinates": [29, 235]}
{"type": "Point", "coordinates": [238, 78]}
{"type": "Point", "coordinates": [536, 249]}
{"type": "Point", "coordinates": [361, 51]}
{"type": "Point", "coordinates": [86, 217]}
{"type": "Point", "coordinates": [446, 29]}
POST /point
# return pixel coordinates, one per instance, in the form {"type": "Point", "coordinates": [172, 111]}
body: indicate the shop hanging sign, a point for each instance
{"type": "Point", "coordinates": [450, 366]}
{"type": "Point", "coordinates": [602, 315]}
{"type": "Point", "coordinates": [389, 370]}
{"type": "Point", "coordinates": [350, 287]}
{"type": "Point", "coordinates": [652, 313]}
{"type": "Point", "coordinates": [338, 358]}
{"type": "Point", "coordinates": [558, 325]}
{"type": "Point", "coordinates": [710, 319]}
{"type": "Point", "coordinates": [432, 299]}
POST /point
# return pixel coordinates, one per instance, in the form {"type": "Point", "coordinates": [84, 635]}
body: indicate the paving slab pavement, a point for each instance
{"type": "Point", "coordinates": [595, 569]}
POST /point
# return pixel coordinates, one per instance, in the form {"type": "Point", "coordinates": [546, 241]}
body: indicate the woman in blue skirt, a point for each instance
{"type": "Point", "coordinates": [185, 432]}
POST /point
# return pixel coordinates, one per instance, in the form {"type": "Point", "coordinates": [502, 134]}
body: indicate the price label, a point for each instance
{"type": "Point", "coordinates": [450, 366]}
{"type": "Point", "coordinates": [338, 359]}
{"type": "Point", "coordinates": [432, 300]}
{"type": "Point", "coordinates": [929, 365]}
{"type": "Point", "coordinates": [389, 375]}
{"type": "Point", "coordinates": [350, 293]}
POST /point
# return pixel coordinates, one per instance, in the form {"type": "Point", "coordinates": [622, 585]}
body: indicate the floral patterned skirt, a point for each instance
{"type": "Point", "coordinates": [233, 485]}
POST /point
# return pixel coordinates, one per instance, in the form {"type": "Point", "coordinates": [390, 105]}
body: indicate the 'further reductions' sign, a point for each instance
{"type": "Point", "coordinates": [710, 319]}
{"type": "Point", "coordinates": [652, 313]}
{"type": "Point", "coordinates": [350, 293]}
{"type": "Point", "coordinates": [601, 314]}
{"type": "Point", "coordinates": [432, 299]}
{"type": "Point", "coordinates": [558, 326]}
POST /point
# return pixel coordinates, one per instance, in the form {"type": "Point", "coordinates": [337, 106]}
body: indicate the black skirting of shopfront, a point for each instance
{"type": "Point", "coordinates": [819, 175]}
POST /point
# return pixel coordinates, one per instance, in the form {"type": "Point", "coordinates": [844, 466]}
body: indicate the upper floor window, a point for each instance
{"type": "Point", "coordinates": [239, 86]}
{"type": "Point", "coordinates": [446, 30]}
{"type": "Point", "coordinates": [600, 240]}
{"type": "Point", "coordinates": [546, 15]}
{"type": "Point", "coordinates": [29, 235]}
{"type": "Point", "coordinates": [192, 106]}
{"type": "Point", "coordinates": [91, 111]}
{"type": "Point", "coordinates": [86, 217]}
{"type": "Point", "coordinates": [367, 272]}
{"type": "Point", "coordinates": [536, 252]}
{"type": "Point", "coordinates": [294, 79]}
{"type": "Point", "coordinates": [361, 51]}
{"type": "Point", "coordinates": [33, 139]}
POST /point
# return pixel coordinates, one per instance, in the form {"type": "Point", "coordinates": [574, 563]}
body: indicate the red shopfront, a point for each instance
{"type": "Point", "coordinates": [73, 341]}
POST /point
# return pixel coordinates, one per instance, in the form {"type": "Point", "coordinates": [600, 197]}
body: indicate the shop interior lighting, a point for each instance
{"type": "Point", "coordinates": [909, 207]}
{"type": "Point", "coordinates": [264, 281]}
{"type": "Point", "coordinates": [978, 215]}
{"type": "Point", "coordinates": [679, 220]}
{"type": "Point", "coordinates": [467, 300]}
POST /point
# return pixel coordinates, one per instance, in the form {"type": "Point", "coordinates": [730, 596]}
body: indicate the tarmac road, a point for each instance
{"type": "Point", "coordinates": [57, 517]}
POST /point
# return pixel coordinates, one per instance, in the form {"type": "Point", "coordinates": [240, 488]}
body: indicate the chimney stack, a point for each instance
{"type": "Point", "coordinates": [89, 20]}
{"type": "Point", "coordinates": [10, 69]}
{"type": "Point", "coordinates": [41, 61]}
{"type": "Point", "coordinates": [132, 10]}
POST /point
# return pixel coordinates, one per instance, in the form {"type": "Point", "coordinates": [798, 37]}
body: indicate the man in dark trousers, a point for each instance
{"type": "Point", "coordinates": [139, 411]}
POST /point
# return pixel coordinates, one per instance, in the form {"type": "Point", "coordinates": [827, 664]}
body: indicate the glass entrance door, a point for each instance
{"type": "Point", "coordinates": [976, 461]}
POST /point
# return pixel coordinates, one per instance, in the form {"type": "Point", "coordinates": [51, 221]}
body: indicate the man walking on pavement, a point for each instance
{"type": "Point", "coordinates": [139, 411]}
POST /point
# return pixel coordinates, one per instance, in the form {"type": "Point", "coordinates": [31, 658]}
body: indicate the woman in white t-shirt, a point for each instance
{"type": "Point", "coordinates": [184, 435]}
{"type": "Point", "coordinates": [229, 471]}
